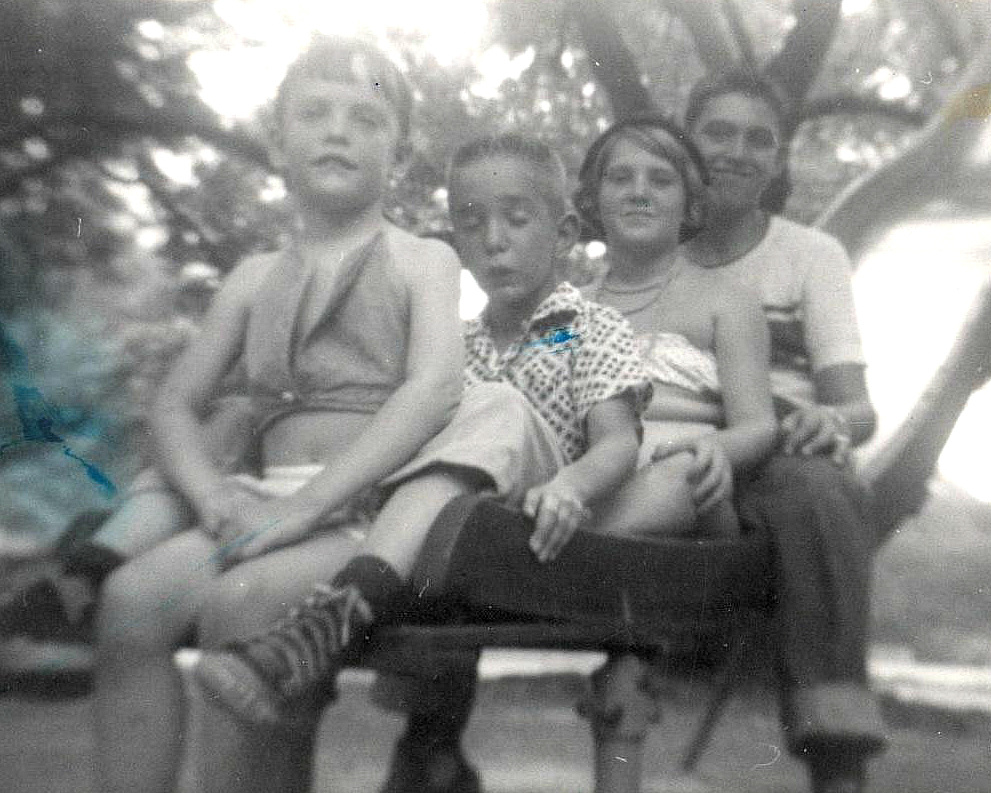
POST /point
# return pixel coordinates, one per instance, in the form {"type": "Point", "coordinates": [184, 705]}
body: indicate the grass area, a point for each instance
{"type": "Point", "coordinates": [932, 590]}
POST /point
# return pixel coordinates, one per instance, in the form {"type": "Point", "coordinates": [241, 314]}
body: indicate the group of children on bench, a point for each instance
{"type": "Point", "coordinates": [641, 406]}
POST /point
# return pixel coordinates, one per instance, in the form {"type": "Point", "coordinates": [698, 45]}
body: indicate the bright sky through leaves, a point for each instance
{"type": "Point", "coordinates": [237, 81]}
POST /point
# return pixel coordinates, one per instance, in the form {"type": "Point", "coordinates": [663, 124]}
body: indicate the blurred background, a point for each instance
{"type": "Point", "coordinates": [134, 175]}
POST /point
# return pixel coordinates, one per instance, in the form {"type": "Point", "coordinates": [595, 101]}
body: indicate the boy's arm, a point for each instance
{"type": "Point", "coordinates": [558, 507]}
{"type": "Point", "coordinates": [844, 415]}
{"type": "Point", "coordinates": [415, 412]}
{"type": "Point", "coordinates": [191, 383]}
{"type": "Point", "coordinates": [742, 346]}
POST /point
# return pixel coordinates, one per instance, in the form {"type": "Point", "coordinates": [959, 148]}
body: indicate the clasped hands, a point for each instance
{"type": "Point", "coordinates": [246, 525]}
{"type": "Point", "coordinates": [817, 429]}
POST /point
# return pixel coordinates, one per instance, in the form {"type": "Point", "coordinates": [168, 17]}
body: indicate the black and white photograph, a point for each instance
{"type": "Point", "coordinates": [495, 396]}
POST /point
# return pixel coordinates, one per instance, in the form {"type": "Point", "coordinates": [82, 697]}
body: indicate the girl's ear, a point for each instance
{"type": "Point", "coordinates": [568, 229]}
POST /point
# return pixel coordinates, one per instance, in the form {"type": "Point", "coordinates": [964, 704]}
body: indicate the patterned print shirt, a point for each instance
{"type": "Point", "coordinates": [571, 355]}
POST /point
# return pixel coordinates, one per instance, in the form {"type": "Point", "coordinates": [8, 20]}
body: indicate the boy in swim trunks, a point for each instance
{"type": "Point", "coordinates": [349, 339]}
{"type": "Point", "coordinates": [561, 370]}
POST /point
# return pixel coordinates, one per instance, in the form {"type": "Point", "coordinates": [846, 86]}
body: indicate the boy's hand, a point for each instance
{"type": "Point", "coordinates": [557, 512]}
{"type": "Point", "coordinates": [269, 525]}
{"type": "Point", "coordinates": [711, 473]}
{"type": "Point", "coordinates": [221, 512]}
{"type": "Point", "coordinates": [817, 429]}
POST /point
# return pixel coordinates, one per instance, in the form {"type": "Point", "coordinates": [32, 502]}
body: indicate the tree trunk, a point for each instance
{"type": "Point", "coordinates": [615, 67]}
{"type": "Point", "coordinates": [796, 66]}
{"type": "Point", "coordinates": [949, 163]}
{"type": "Point", "coordinates": [899, 471]}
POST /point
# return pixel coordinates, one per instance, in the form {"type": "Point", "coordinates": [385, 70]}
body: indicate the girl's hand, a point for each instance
{"type": "Point", "coordinates": [710, 473]}
{"type": "Point", "coordinates": [558, 512]}
{"type": "Point", "coordinates": [817, 429]}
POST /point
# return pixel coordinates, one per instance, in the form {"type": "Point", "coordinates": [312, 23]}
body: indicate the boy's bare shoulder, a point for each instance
{"type": "Point", "coordinates": [242, 282]}
{"type": "Point", "coordinates": [417, 257]}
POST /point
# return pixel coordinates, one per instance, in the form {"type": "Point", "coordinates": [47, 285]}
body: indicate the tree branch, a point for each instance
{"type": "Point", "coordinates": [858, 105]}
{"type": "Point", "coordinates": [797, 64]}
{"type": "Point", "coordinates": [210, 241]}
{"type": "Point", "coordinates": [947, 154]}
{"type": "Point", "coordinates": [614, 65]}
{"type": "Point", "coordinates": [732, 14]}
{"type": "Point", "coordinates": [715, 39]}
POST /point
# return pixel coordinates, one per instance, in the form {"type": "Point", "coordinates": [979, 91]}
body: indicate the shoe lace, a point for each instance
{"type": "Point", "coordinates": [310, 640]}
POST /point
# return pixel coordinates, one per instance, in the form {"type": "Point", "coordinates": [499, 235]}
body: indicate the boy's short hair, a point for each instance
{"type": "Point", "coordinates": [526, 149]}
{"type": "Point", "coordinates": [755, 86]}
{"type": "Point", "coordinates": [657, 135]}
{"type": "Point", "coordinates": [350, 61]}
{"type": "Point", "coordinates": [748, 83]}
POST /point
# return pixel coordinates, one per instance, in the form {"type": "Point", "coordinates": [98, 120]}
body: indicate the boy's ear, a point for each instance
{"type": "Point", "coordinates": [275, 154]}
{"type": "Point", "coordinates": [403, 159]}
{"type": "Point", "coordinates": [568, 228]}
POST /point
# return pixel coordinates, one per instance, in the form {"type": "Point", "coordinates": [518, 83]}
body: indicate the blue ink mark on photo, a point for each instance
{"type": "Point", "coordinates": [38, 417]}
{"type": "Point", "coordinates": [557, 339]}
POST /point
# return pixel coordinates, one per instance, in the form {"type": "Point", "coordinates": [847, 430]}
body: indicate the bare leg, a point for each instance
{"type": "Point", "coordinates": [144, 520]}
{"type": "Point", "coordinates": [657, 500]}
{"type": "Point", "coordinates": [402, 526]}
{"type": "Point", "coordinates": [231, 754]}
{"type": "Point", "coordinates": [265, 678]}
{"type": "Point", "coordinates": [147, 607]}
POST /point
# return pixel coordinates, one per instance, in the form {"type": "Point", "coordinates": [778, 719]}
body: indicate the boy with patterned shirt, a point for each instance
{"type": "Point", "coordinates": [550, 418]}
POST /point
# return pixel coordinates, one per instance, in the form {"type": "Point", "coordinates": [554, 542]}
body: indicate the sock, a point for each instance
{"type": "Point", "coordinates": [91, 561]}
{"type": "Point", "coordinates": [379, 584]}
{"type": "Point", "coordinates": [831, 763]}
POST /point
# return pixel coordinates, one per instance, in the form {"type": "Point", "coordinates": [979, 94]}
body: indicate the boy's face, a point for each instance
{"type": "Point", "coordinates": [338, 142]}
{"type": "Point", "coordinates": [641, 199]}
{"type": "Point", "coordinates": [740, 141]}
{"type": "Point", "coordinates": [505, 231]}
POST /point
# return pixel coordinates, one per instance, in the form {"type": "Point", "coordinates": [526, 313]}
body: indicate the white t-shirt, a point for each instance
{"type": "Point", "coordinates": [803, 277]}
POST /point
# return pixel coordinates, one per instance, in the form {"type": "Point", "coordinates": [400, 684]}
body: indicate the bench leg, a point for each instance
{"type": "Point", "coordinates": [621, 708]}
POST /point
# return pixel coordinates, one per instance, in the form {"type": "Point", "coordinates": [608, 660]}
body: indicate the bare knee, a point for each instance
{"type": "Point", "coordinates": [239, 606]}
{"type": "Point", "coordinates": [132, 616]}
{"type": "Point", "coordinates": [657, 501]}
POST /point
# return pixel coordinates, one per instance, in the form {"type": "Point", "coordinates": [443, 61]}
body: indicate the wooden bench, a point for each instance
{"type": "Point", "coordinates": [480, 586]}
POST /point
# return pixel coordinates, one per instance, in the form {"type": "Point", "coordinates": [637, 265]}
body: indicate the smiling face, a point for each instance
{"type": "Point", "coordinates": [337, 142]}
{"type": "Point", "coordinates": [641, 201]}
{"type": "Point", "coordinates": [739, 137]}
{"type": "Point", "coordinates": [506, 231]}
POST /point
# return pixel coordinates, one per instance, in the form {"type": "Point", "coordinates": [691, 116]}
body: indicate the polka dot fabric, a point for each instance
{"type": "Point", "coordinates": [570, 356]}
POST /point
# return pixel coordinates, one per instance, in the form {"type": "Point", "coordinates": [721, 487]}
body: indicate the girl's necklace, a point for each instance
{"type": "Point", "coordinates": [654, 290]}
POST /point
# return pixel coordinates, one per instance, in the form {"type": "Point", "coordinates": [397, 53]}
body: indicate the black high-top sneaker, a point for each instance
{"type": "Point", "coordinates": [260, 680]}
